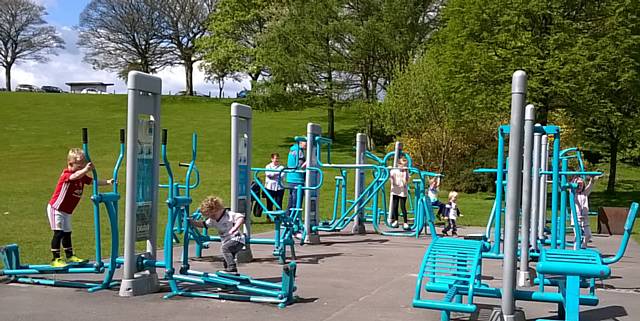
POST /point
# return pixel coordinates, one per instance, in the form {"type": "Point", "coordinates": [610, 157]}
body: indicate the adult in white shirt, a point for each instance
{"type": "Point", "coordinates": [272, 182]}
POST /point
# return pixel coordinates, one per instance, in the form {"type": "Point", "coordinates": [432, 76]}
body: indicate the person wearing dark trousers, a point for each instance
{"type": "Point", "coordinates": [229, 226]}
{"type": "Point", "coordinates": [399, 191]}
{"type": "Point", "coordinates": [272, 182]}
{"type": "Point", "coordinates": [451, 214]}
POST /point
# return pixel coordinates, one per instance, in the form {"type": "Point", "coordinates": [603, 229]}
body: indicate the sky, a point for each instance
{"type": "Point", "coordinates": [68, 66]}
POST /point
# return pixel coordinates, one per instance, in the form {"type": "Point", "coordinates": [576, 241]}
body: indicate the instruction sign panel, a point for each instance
{"type": "Point", "coordinates": [243, 168]}
{"type": "Point", "coordinates": [144, 179]}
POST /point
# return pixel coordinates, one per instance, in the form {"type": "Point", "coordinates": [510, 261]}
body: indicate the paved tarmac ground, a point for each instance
{"type": "Point", "coordinates": [347, 277]}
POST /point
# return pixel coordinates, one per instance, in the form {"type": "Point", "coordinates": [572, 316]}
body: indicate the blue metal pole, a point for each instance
{"type": "Point", "coordinates": [499, 194]}
{"type": "Point", "coordinates": [555, 186]}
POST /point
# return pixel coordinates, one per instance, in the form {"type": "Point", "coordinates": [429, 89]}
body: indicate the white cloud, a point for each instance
{"type": "Point", "coordinates": [68, 66]}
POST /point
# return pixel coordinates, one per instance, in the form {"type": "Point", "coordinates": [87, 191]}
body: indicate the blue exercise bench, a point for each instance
{"type": "Point", "coordinates": [455, 264]}
{"type": "Point", "coordinates": [573, 266]}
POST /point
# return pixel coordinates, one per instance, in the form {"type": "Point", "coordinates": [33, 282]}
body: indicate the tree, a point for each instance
{"type": "Point", "coordinates": [235, 30]}
{"type": "Point", "coordinates": [218, 69]}
{"type": "Point", "coordinates": [581, 57]}
{"type": "Point", "coordinates": [24, 35]}
{"type": "Point", "coordinates": [385, 36]}
{"type": "Point", "coordinates": [605, 65]}
{"type": "Point", "coordinates": [184, 22]}
{"type": "Point", "coordinates": [119, 34]}
{"type": "Point", "coordinates": [305, 48]}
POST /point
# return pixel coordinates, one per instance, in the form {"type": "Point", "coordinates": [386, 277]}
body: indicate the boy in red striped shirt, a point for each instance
{"type": "Point", "coordinates": [64, 200]}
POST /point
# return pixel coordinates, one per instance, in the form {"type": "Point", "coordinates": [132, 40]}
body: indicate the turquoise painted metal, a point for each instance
{"type": "Point", "coordinates": [25, 273]}
{"type": "Point", "coordinates": [178, 188]}
{"type": "Point", "coordinates": [420, 209]}
{"type": "Point", "coordinates": [244, 287]}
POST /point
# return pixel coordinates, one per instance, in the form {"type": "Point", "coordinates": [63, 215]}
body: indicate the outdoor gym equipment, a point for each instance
{"type": "Point", "coordinates": [493, 241]}
{"type": "Point", "coordinates": [178, 205]}
{"type": "Point", "coordinates": [421, 212]}
{"type": "Point", "coordinates": [315, 166]}
{"type": "Point", "coordinates": [254, 290]}
{"type": "Point", "coordinates": [285, 224]}
{"type": "Point", "coordinates": [140, 275]}
{"type": "Point", "coordinates": [454, 267]}
{"type": "Point", "coordinates": [30, 274]}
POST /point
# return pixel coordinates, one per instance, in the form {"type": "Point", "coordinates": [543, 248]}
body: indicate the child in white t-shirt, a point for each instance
{"type": "Point", "coordinates": [228, 224]}
{"type": "Point", "coordinates": [399, 191]}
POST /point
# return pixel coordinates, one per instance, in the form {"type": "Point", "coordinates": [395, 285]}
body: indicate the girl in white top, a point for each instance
{"type": "Point", "coordinates": [272, 182]}
{"type": "Point", "coordinates": [581, 199]}
{"type": "Point", "coordinates": [399, 191]}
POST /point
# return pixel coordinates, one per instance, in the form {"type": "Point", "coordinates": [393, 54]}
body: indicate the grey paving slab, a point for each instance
{"type": "Point", "coordinates": [367, 277]}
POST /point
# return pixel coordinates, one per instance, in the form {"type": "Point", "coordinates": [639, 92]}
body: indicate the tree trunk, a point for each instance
{"type": "Point", "coordinates": [330, 119]}
{"type": "Point", "coordinates": [371, 143]}
{"type": "Point", "coordinates": [188, 68]}
{"type": "Point", "coordinates": [7, 77]}
{"type": "Point", "coordinates": [613, 162]}
{"type": "Point", "coordinates": [542, 111]}
{"type": "Point", "coordinates": [220, 87]}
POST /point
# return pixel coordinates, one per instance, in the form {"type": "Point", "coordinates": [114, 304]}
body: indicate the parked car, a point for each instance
{"type": "Point", "coordinates": [26, 87]}
{"type": "Point", "coordinates": [91, 91]}
{"type": "Point", "coordinates": [195, 93]}
{"type": "Point", "coordinates": [51, 89]}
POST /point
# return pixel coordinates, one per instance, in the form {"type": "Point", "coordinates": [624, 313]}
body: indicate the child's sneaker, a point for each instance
{"type": "Point", "coordinates": [405, 226]}
{"type": "Point", "coordinates": [227, 271]}
{"type": "Point", "coordinates": [76, 260]}
{"type": "Point", "coordinates": [58, 263]}
{"type": "Point", "coordinates": [394, 224]}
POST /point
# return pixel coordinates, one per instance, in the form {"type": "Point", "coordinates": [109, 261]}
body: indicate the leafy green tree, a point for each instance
{"type": "Point", "coordinates": [305, 48]}
{"type": "Point", "coordinates": [579, 57]}
{"type": "Point", "coordinates": [235, 30]}
{"type": "Point", "coordinates": [605, 65]}
{"type": "Point", "coordinates": [219, 68]}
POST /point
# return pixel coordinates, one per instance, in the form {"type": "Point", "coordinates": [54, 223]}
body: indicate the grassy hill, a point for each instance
{"type": "Point", "coordinates": [38, 129]}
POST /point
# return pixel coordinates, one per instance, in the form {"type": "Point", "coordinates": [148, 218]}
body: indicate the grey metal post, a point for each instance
{"type": "Point", "coordinates": [141, 200]}
{"type": "Point", "coordinates": [535, 190]}
{"type": "Point", "coordinates": [514, 175]}
{"type": "Point", "coordinates": [397, 152]}
{"type": "Point", "coordinates": [529, 119]}
{"type": "Point", "coordinates": [542, 206]}
{"type": "Point", "coordinates": [311, 179]}
{"type": "Point", "coordinates": [361, 146]}
{"type": "Point", "coordinates": [241, 146]}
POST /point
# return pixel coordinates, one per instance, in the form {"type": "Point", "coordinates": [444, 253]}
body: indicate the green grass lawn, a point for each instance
{"type": "Point", "coordinates": [38, 130]}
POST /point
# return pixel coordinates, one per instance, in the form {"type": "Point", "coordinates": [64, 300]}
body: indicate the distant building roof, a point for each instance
{"type": "Point", "coordinates": [83, 83]}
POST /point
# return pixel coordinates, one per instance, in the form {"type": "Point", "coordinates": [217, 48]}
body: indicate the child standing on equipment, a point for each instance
{"type": "Point", "coordinates": [432, 192]}
{"type": "Point", "coordinates": [399, 191]}
{"type": "Point", "coordinates": [581, 199]}
{"type": "Point", "coordinates": [272, 182]}
{"type": "Point", "coordinates": [451, 214]}
{"type": "Point", "coordinates": [228, 224]}
{"type": "Point", "coordinates": [64, 200]}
